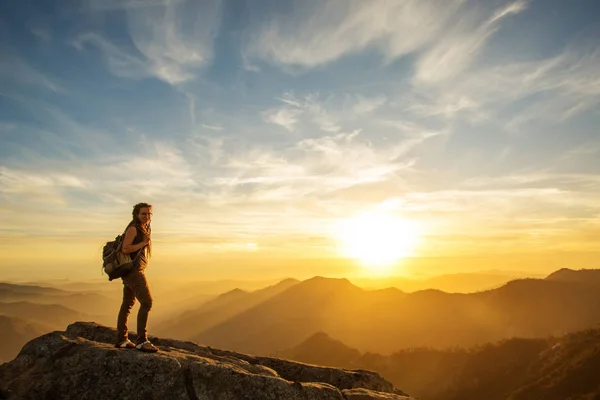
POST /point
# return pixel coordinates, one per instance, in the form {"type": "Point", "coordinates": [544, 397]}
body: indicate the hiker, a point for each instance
{"type": "Point", "coordinates": [138, 244]}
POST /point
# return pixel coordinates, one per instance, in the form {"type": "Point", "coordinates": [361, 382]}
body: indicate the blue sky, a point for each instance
{"type": "Point", "coordinates": [266, 122]}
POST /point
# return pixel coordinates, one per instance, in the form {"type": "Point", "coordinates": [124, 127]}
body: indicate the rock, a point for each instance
{"type": "Point", "coordinates": [365, 394]}
{"type": "Point", "coordinates": [82, 363]}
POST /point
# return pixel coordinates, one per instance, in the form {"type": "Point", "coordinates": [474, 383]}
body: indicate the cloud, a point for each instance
{"type": "Point", "coordinates": [348, 161]}
{"type": "Point", "coordinates": [213, 127]}
{"type": "Point", "coordinates": [556, 89]}
{"type": "Point", "coordinates": [173, 51]}
{"type": "Point", "coordinates": [54, 192]}
{"type": "Point", "coordinates": [315, 110]}
{"type": "Point", "coordinates": [285, 117]}
{"type": "Point", "coordinates": [15, 68]}
{"type": "Point", "coordinates": [120, 62]}
{"type": "Point", "coordinates": [321, 32]}
{"type": "Point", "coordinates": [454, 53]}
{"type": "Point", "coordinates": [366, 105]}
{"type": "Point", "coordinates": [38, 187]}
{"type": "Point", "coordinates": [205, 147]}
{"type": "Point", "coordinates": [127, 4]}
{"type": "Point", "coordinates": [173, 39]}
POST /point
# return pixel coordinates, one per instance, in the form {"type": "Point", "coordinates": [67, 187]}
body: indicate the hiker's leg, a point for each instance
{"type": "Point", "coordinates": [142, 293]}
{"type": "Point", "coordinates": [126, 305]}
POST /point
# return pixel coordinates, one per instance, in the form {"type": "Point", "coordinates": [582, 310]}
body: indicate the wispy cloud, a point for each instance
{"type": "Point", "coordinates": [456, 50]}
{"type": "Point", "coordinates": [564, 86]}
{"type": "Point", "coordinates": [32, 186]}
{"type": "Point", "coordinates": [173, 39]}
{"type": "Point", "coordinates": [127, 4]}
{"type": "Point", "coordinates": [285, 117]}
{"type": "Point", "coordinates": [314, 109]}
{"type": "Point", "coordinates": [396, 28]}
{"type": "Point", "coordinates": [120, 62]}
{"type": "Point", "coordinates": [14, 68]}
{"type": "Point", "coordinates": [366, 105]}
{"type": "Point", "coordinates": [213, 127]}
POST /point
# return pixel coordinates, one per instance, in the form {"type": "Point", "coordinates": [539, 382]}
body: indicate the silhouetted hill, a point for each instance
{"type": "Point", "coordinates": [82, 364]}
{"type": "Point", "coordinates": [74, 286]}
{"type": "Point", "coordinates": [538, 307]}
{"type": "Point", "coordinates": [321, 349]}
{"type": "Point", "coordinates": [11, 289]}
{"type": "Point", "coordinates": [83, 302]}
{"type": "Point", "coordinates": [586, 276]}
{"type": "Point", "coordinates": [52, 315]}
{"type": "Point", "coordinates": [566, 369]}
{"type": "Point", "coordinates": [14, 333]}
{"type": "Point", "coordinates": [175, 289]}
{"type": "Point", "coordinates": [554, 368]}
{"type": "Point", "coordinates": [385, 320]}
{"type": "Point", "coordinates": [515, 369]}
{"type": "Point", "coordinates": [190, 323]}
{"type": "Point", "coordinates": [286, 319]}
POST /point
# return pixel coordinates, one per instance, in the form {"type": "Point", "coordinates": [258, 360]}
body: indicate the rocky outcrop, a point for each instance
{"type": "Point", "coordinates": [81, 363]}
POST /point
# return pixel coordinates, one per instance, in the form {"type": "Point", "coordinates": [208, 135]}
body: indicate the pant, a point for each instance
{"type": "Point", "coordinates": [135, 286]}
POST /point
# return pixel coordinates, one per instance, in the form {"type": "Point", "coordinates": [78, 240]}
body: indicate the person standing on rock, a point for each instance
{"type": "Point", "coordinates": [138, 244]}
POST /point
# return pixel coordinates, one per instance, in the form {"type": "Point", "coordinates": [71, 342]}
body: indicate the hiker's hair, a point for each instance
{"type": "Point", "coordinates": [145, 229]}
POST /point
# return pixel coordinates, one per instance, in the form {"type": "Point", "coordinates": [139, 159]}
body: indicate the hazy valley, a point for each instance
{"type": "Point", "coordinates": [431, 343]}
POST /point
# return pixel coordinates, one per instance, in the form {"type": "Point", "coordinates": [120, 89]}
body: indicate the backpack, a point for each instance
{"type": "Point", "coordinates": [115, 263]}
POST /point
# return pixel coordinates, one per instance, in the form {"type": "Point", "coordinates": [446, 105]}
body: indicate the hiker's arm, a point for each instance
{"type": "Point", "coordinates": [128, 247]}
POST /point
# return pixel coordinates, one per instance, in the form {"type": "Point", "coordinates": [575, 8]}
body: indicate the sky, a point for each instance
{"type": "Point", "coordinates": [260, 129]}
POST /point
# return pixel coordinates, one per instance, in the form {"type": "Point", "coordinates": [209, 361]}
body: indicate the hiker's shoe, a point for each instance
{"type": "Point", "coordinates": [127, 344]}
{"type": "Point", "coordinates": [146, 347]}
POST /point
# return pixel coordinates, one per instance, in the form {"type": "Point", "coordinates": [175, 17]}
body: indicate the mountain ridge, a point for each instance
{"type": "Point", "coordinates": [524, 307]}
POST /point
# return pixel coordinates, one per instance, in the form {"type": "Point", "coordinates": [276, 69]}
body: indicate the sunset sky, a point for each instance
{"type": "Point", "coordinates": [273, 136]}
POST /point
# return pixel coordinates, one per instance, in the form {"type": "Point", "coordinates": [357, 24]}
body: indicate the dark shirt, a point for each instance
{"type": "Point", "coordinates": [140, 256]}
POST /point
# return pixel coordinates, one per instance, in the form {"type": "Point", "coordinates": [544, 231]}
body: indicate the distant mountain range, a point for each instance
{"type": "Point", "coordinates": [527, 339]}
{"type": "Point", "coordinates": [51, 315]}
{"type": "Point", "coordinates": [89, 303]}
{"type": "Point", "coordinates": [280, 316]}
{"type": "Point", "coordinates": [386, 320]}
{"type": "Point", "coordinates": [218, 310]}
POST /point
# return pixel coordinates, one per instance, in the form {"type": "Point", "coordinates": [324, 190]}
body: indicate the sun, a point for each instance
{"type": "Point", "coordinates": [377, 240]}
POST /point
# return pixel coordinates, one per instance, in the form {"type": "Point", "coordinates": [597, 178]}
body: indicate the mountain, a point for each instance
{"type": "Point", "coordinates": [567, 368]}
{"type": "Point", "coordinates": [586, 276]}
{"type": "Point", "coordinates": [383, 321]}
{"type": "Point", "coordinates": [15, 332]}
{"type": "Point", "coordinates": [542, 307]}
{"type": "Point", "coordinates": [175, 289]}
{"type": "Point", "coordinates": [104, 308]}
{"type": "Point", "coordinates": [553, 368]}
{"type": "Point", "coordinates": [287, 318]}
{"type": "Point", "coordinates": [52, 315]}
{"type": "Point", "coordinates": [82, 364]}
{"type": "Point", "coordinates": [74, 286]}
{"type": "Point", "coordinates": [11, 289]}
{"type": "Point", "coordinates": [215, 311]}
{"type": "Point", "coordinates": [321, 349]}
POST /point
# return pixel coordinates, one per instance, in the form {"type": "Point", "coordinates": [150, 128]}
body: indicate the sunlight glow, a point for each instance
{"type": "Point", "coordinates": [377, 240]}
